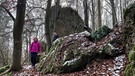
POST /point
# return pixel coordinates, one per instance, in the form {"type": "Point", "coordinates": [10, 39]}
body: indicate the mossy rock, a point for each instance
{"type": "Point", "coordinates": [129, 12]}
{"type": "Point", "coordinates": [109, 50]}
{"type": "Point", "coordinates": [77, 63]}
{"type": "Point", "coordinates": [72, 53]}
{"type": "Point", "coordinates": [130, 70]}
{"type": "Point", "coordinates": [100, 33]}
{"type": "Point", "coordinates": [68, 56]}
{"type": "Point", "coordinates": [129, 17]}
{"type": "Point", "coordinates": [63, 50]}
{"type": "Point", "coordinates": [48, 61]}
{"type": "Point", "coordinates": [131, 56]}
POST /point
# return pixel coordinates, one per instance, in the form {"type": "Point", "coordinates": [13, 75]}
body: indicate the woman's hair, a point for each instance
{"type": "Point", "coordinates": [35, 38]}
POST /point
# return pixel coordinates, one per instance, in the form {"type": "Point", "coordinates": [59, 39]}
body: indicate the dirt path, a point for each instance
{"type": "Point", "coordinates": [28, 71]}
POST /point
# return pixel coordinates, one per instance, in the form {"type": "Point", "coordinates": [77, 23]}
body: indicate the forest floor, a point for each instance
{"type": "Point", "coordinates": [99, 67]}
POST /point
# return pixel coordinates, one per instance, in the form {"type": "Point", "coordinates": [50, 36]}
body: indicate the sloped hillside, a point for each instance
{"type": "Point", "coordinates": [72, 53]}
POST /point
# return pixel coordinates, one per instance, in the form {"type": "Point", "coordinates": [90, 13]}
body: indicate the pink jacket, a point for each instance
{"type": "Point", "coordinates": [35, 47]}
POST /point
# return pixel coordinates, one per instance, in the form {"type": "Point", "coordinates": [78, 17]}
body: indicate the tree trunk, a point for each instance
{"type": "Point", "coordinates": [27, 47]}
{"type": "Point", "coordinates": [99, 14]}
{"type": "Point", "coordinates": [114, 17]}
{"type": "Point", "coordinates": [47, 24]}
{"type": "Point", "coordinates": [17, 35]}
{"type": "Point", "coordinates": [56, 13]}
{"type": "Point", "coordinates": [86, 15]}
{"type": "Point", "coordinates": [125, 3]}
{"type": "Point", "coordinates": [93, 15]}
{"type": "Point", "coordinates": [121, 11]}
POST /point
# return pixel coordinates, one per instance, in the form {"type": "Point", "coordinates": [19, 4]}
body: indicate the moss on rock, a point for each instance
{"type": "Point", "coordinates": [100, 33]}
{"type": "Point", "coordinates": [64, 50]}
{"type": "Point", "coordinates": [78, 63]}
{"type": "Point", "coordinates": [72, 53]}
{"type": "Point", "coordinates": [129, 36]}
{"type": "Point", "coordinates": [130, 10]}
{"type": "Point", "coordinates": [130, 68]}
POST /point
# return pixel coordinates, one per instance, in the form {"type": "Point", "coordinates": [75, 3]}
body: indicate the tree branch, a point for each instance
{"type": "Point", "coordinates": [107, 10]}
{"type": "Point", "coordinates": [6, 33]}
{"type": "Point", "coordinates": [8, 12]}
{"type": "Point", "coordinates": [108, 2]}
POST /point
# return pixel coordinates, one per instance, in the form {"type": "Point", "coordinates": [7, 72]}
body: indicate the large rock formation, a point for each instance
{"type": "Point", "coordinates": [129, 36]}
{"type": "Point", "coordinates": [74, 52]}
{"type": "Point", "coordinates": [129, 28]}
{"type": "Point", "coordinates": [66, 20]}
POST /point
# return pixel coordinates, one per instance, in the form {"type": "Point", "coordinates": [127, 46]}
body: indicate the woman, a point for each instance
{"type": "Point", "coordinates": [35, 47]}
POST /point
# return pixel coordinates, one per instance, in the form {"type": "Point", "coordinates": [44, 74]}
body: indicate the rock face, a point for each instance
{"type": "Point", "coordinates": [72, 53]}
{"type": "Point", "coordinates": [129, 35]}
{"type": "Point", "coordinates": [129, 28]}
{"type": "Point", "coordinates": [129, 71]}
{"type": "Point", "coordinates": [67, 21]}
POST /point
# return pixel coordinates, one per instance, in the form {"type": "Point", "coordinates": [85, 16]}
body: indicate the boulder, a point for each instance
{"type": "Point", "coordinates": [129, 38]}
{"type": "Point", "coordinates": [67, 21]}
{"type": "Point", "coordinates": [77, 63]}
{"type": "Point", "coordinates": [100, 33]}
{"type": "Point", "coordinates": [129, 12]}
{"type": "Point", "coordinates": [110, 50]}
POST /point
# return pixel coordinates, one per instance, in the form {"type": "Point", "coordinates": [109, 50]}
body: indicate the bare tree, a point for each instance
{"type": "Point", "coordinates": [99, 14]}
{"type": "Point", "coordinates": [121, 11]}
{"type": "Point", "coordinates": [47, 24]}
{"type": "Point", "coordinates": [86, 15]}
{"type": "Point", "coordinates": [93, 15]}
{"type": "Point", "coordinates": [17, 35]}
{"type": "Point", "coordinates": [114, 17]}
